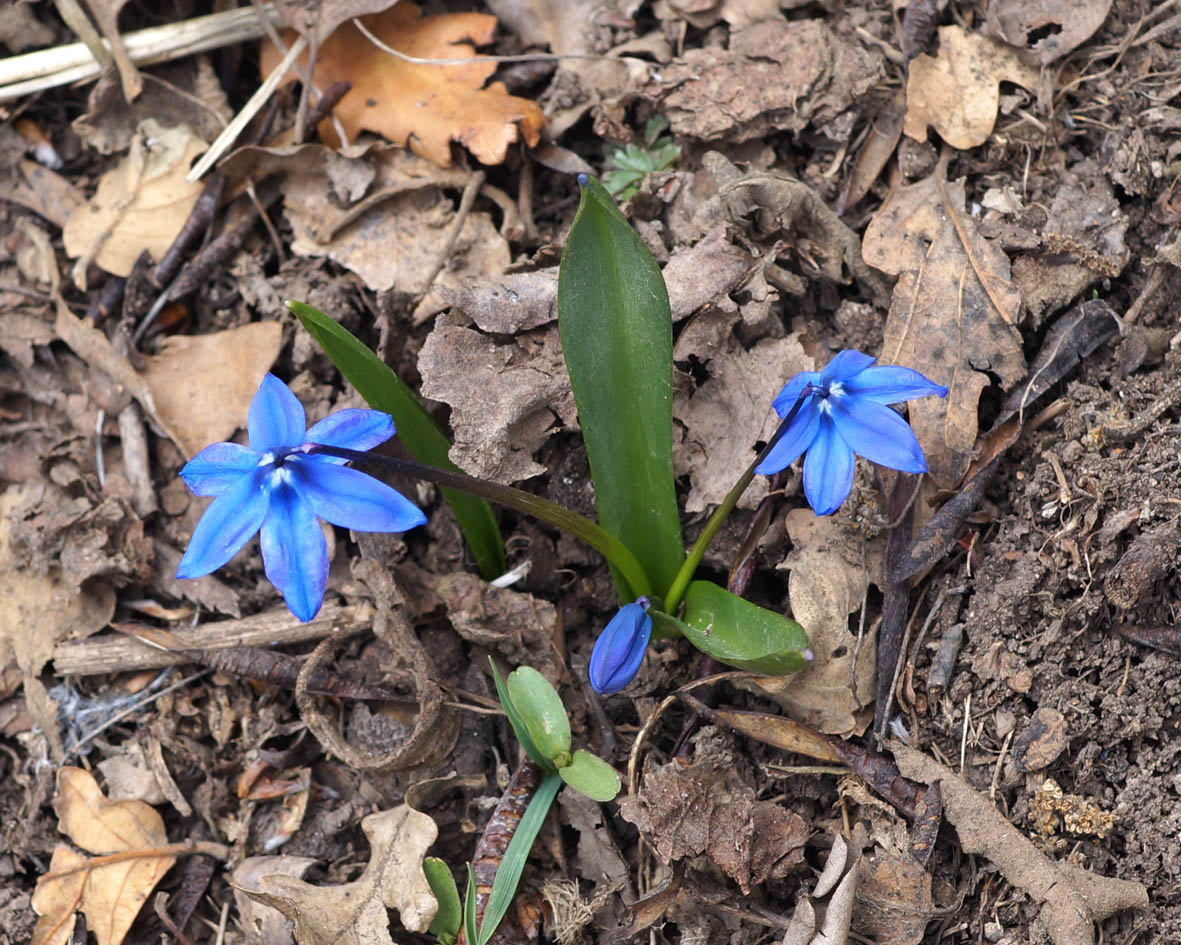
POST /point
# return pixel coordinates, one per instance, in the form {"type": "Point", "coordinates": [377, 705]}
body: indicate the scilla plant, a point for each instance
{"type": "Point", "coordinates": [616, 333]}
{"type": "Point", "coordinates": [539, 721]}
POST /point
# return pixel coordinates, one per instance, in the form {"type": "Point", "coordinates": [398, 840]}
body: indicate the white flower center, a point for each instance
{"type": "Point", "coordinates": [280, 476]}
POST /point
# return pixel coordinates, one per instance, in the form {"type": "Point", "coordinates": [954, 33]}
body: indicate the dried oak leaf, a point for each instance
{"type": "Point", "coordinates": [355, 913]}
{"type": "Point", "coordinates": [953, 315]}
{"type": "Point", "coordinates": [1059, 25]}
{"type": "Point", "coordinates": [265, 924]}
{"type": "Point", "coordinates": [141, 203]}
{"type": "Point", "coordinates": [421, 107]}
{"type": "Point", "coordinates": [958, 90]}
{"type": "Point", "coordinates": [505, 402]}
{"type": "Point", "coordinates": [687, 810]}
{"type": "Point", "coordinates": [775, 75]}
{"type": "Point", "coordinates": [110, 895]}
{"type": "Point", "coordinates": [828, 583]}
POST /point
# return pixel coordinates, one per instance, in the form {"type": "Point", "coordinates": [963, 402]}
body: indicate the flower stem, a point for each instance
{"type": "Point", "coordinates": [681, 583]}
{"type": "Point", "coordinates": [615, 551]}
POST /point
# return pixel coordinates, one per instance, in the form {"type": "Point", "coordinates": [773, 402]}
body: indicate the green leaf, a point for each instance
{"type": "Point", "coordinates": [520, 729]}
{"type": "Point", "coordinates": [616, 331]}
{"type": "Point", "coordinates": [469, 907]}
{"type": "Point", "coordinates": [446, 923]}
{"type": "Point", "coordinates": [541, 710]}
{"type": "Point", "coordinates": [508, 874]}
{"type": "Point", "coordinates": [740, 634]}
{"type": "Point", "coordinates": [592, 776]}
{"type": "Point", "coordinates": [384, 391]}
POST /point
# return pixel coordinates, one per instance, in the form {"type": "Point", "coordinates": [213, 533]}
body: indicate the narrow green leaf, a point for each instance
{"type": "Point", "coordinates": [740, 634]}
{"type": "Point", "coordinates": [616, 330]}
{"type": "Point", "coordinates": [469, 907]}
{"type": "Point", "coordinates": [520, 729]}
{"type": "Point", "coordinates": [508, 874]}
{"type": "Point", "coordinates": [383, 390]}
{"type": "Point", "coordinates": [541, 710]}
{"type": "Point", "coordinates": [446, 923]}
{"type": "Point", "coordinates": [590, 775]}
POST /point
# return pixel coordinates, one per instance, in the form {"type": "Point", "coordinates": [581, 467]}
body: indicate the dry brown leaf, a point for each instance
{"type": "Point", "coordinates": [958, 91]}
{"type": "Point", "coordinates": [776, 75]}
{"type": "Point", "coordinates": [727, 415]}
{"type": "Point", "coordinates": [1060, 25]}
{"type": "Point", "coordinates": [423, 108]}
{"type": "Point", "coordinates": [893, 899]}
{"type": "Point", "coordinates": [110, 895]}
{"type": "Point", "coordinates": [263, 924]}
{"type": "Point", "coordinates": [396, 244]}
{"type": "Point", "coordinates": [953, 314]}
{"type": "Point", "coordinates": [825, 587]}
{"type": "Point", "coordinates": [1071, 899]}
{"type": "Point", "coordinates": [355, 913]}
{"type": "Point", "coordinates": [687, 810]}
{"type": "Point", "coordinates": [319, 20]}
{"type": "Point", "coordinates": [141, 203]}
{"type": "Point", "coordinates": [203, 384]}
{"type": "Point", "coordinates": [106, 15]}
{"type": "Point", "coordinates": [506, 401]}
{"type": "Point", "coordinates": [831, 925]}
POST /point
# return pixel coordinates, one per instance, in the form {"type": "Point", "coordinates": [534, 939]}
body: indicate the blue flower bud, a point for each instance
{"type": "Point", "coordinates": [620, 648]}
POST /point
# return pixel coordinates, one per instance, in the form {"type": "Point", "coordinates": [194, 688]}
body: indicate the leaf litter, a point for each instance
{"type": "Point", "coordinates": [1048, 204]}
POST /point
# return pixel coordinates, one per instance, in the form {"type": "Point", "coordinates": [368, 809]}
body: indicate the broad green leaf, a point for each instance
{"type": "Point", "coordinates": [740, 634]}
{"type": "Point", "coordinates": [446, 923]}
{"type": "Point", "coordinates": [520, 729]}
{"type": "Point", "coordinates": [541, 710]}
{"type": "Point", "coordinates": [383, 390]}
{"type": "Point", "coordinates": [592, 776]}
{"type": "Point", "coordinates": [508, 874]}
{"type": "Point", "coordinates": [616, 330]}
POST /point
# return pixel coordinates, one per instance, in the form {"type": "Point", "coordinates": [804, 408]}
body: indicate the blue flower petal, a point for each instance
{"type": "Point", "coordinates": [890, 384]}
{"type": "Point", "coordinates": [620, 649]}
{"type": "Point", "coordinates": [217, 467]}
{"type": "Point", "coordinates": [294, 552]}
{"type": "Point", "coordinates": [877, 433]}
{"type": "Point", "coordinates": [787, 397]}
{"type": "Point", "coordinates": [828, 470]}
{"type": "Point", "coordinates": [799, 437]}
{"type": "Point", "coordinates": [276, 416]}
{"type": "Point", "coordinates": [352, 429]}
{"type": "Point", "coordinates": [351, 499]}
{"type": "Point", "coordinates": [845, 366]}
{"type": "Point", "coordinates": [229, 522]}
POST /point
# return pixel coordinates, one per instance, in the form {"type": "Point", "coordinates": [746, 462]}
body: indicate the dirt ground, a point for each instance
{"type": "Point", "coordinates": [986, 192]}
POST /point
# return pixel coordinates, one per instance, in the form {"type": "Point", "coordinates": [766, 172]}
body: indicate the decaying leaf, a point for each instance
{"type": "Point", "coordinates": [1056, 26]}
{"type": "Point", "coordinates": [421, 107]}
{"type": "Point", "coordinates": [893, 899]}
{"type": "Point", "coordinates": [774, 75]}
{"type": "Point", "coordinates": [729, 413]}
{"type": "Point", "coordinates": [958, 90]}
{"type": "Point", "coordinates": [203, 384]}
{"type": "Point", "coordinates": [953, 316]}
{"type": "Point", "coordinates": [827, 923]}
{"type": "Point", "coordinates": [263, 924]}
{"type": "Point", "coordinates": [355, 913]}
{"type": "Point", "coordinates": [110, 895]}
{"type": "Point", "coordinates": [687, 810]}
{"type": "Point", "coordinates": [397, 243]}
{"type": "Point", "coordinates": [825, 587]}
{"type": "Point", "coordinates": [1071, 899]}
{"type": "Point", "coordinates": [505, 403]}
{"type": "Point", "coordinates": [319, 20]}
{"type": "Point", "coordinates": [141, 203]}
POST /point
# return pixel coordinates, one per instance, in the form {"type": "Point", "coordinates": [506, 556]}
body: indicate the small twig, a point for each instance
{"type": "Point", "coordinates": [475, 182]}
{"type": "Point", "coordinates": [219, 851]}
{"type": "Point", "coordinates": [1169, 398]}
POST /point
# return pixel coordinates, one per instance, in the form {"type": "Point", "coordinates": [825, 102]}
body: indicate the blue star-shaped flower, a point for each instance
{"type": "Point", "coordinates": [276, 486]}
{"type": "Point", "coordinates": [844, 411]}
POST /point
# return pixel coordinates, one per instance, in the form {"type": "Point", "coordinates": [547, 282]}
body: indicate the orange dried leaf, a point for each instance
{"type": "Point", "coordinates": [110, 894]}
{"type": "Point", "coordinates": [422, 107]}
